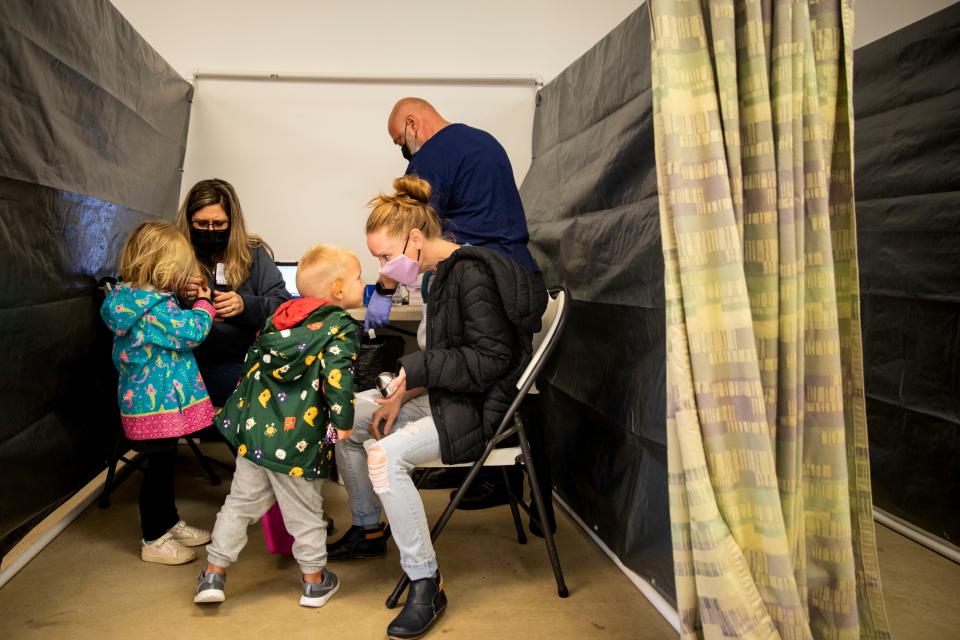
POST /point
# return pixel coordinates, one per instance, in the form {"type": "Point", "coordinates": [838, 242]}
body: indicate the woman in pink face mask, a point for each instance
{"type": "Point", "coordinates": [402, 267]}
{"type": "Point", "coordinates": [448, 398]}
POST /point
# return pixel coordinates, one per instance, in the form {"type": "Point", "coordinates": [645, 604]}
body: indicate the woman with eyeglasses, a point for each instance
{"type": "Point", "coordinates": [247, 286]}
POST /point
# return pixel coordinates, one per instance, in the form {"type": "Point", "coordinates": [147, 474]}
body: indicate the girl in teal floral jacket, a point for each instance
{"type": "Point", "coordinates": [161, 394]}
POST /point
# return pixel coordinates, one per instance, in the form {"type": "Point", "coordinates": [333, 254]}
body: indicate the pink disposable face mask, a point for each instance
{"type": "Point", "coordinates": [403, 269]}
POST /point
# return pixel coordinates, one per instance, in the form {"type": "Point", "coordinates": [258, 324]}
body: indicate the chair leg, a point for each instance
{"type": "Point", "coordinates": [116, 476]}
{"type": "Point", "coordinates": [232, 465]}
{"type": "Point", "coordinates": [421, 478]}
{"type": "Point", "coordinates": [398, 590]}
{"type": "Point", "coordinates": [104, 502]}
{"type": "Point", "coordinates": [229, 466]}
{"type": "Point", "coordinates": [514, 509]}
{"type": "Point", "coordinates": [541, 511]}
{"type": "Point", "coordinates": [204, 463]}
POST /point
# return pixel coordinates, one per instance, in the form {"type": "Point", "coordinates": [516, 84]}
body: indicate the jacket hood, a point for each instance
{"type": "Point", "coordinates": [522, 292]}
{"type": "Point", "coordinates": [290, 352]}
{"type": "Point", "coordinates": [125, 306]}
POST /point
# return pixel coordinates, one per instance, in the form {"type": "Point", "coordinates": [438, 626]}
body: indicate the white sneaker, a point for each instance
{"type": "Point", "coordinates": [189, 536]}
{"type": "Point", "coordinates": [166, 550]}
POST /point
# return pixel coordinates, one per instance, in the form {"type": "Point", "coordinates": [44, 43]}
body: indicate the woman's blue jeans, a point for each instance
{"type": "Point", "coordinates": [377, 472]}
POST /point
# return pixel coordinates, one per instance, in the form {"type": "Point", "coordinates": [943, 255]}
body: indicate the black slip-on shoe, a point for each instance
{"type": "Point", "coordinates": [537, 530]}
{"type": "Point", "coordinates": [483, 495]}
{"type": "Point", "coordinates": [426, 600]}
{"type": "Point", "coordinates": [440, 477]}
{"type": "Point", "coordinates": [358, 542]}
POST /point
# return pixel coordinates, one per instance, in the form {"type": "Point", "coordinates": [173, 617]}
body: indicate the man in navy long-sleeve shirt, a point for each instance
{"type": "Point", "coordinates": [474, 191]}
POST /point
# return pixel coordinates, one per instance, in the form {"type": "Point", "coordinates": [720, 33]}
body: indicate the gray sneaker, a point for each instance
{"type": "Point", "coordinates": [316, 595]}
{"type": "Point", "coordinates": [209, 588]}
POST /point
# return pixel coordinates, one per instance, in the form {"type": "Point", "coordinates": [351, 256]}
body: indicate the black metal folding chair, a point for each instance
{"type": "Point", "coordinates": [544, 342]}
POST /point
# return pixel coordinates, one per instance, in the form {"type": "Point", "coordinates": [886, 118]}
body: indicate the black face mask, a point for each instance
{"type": "Point", "coordinates": [405, 147]}
{"type": "Point", "coordinates": [208, 243]}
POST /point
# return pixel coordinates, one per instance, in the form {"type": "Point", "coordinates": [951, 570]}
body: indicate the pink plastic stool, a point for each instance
{"type": "Point", "coordinates": [279, 540]}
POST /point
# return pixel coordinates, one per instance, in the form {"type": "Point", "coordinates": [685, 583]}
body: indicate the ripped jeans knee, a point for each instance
{"type": "Point", "coordinates": [390, 460]}
{"type": "Point", "coordinates": [378, 468]}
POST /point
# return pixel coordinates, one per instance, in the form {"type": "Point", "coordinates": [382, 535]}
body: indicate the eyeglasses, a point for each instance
{"type": "Point", "coordinates": [210, 225]}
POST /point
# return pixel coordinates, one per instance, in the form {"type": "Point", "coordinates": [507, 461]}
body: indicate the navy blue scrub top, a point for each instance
{"type": "Point", "coordinates": [474, 192]}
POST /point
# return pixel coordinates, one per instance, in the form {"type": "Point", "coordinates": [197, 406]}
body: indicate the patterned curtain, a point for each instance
{"type": "Point", "coordinates": [770, 501]}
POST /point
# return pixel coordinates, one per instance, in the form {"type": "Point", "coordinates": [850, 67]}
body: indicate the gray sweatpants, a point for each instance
{"type": "Point", "coordinates": [253, 492]}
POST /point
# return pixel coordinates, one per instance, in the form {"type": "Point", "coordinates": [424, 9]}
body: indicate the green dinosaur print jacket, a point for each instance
{"type": "Point", "coordinates": [296, 390]}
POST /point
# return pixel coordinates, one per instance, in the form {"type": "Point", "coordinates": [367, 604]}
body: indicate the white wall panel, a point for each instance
{"type": "Point", "coordinates": [306, 157]}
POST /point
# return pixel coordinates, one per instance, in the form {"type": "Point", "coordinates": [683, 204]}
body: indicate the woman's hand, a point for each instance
{"type": "Point", "coordinates": [389, 407]}
{"type": "Point", "coordinates": [227, 303]}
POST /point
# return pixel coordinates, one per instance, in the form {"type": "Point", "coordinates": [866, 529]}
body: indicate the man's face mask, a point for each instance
{"type": "Point", "coordinates": [407, 149]}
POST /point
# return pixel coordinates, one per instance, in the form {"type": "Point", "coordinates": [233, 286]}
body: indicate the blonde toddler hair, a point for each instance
{"type": "Point", "coordinates": [157, 255]}
{"type": "Point", "coordinates": [320, 266]}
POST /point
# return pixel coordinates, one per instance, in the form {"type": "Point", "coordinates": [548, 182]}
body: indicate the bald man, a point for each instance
{"type": "Point", "coordinates": [474, 191]}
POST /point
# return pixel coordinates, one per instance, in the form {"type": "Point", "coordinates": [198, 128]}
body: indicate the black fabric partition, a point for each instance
{"type": "Point", "coordinates": [93, 138]}
{"type": "Point", "coordinates": [591, 202]}
{"type": "Point", "coordinates": [907, 150]}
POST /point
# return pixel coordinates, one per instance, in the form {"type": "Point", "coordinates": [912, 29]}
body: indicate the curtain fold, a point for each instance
{"type": "Point", "coordinates": [771, 511]}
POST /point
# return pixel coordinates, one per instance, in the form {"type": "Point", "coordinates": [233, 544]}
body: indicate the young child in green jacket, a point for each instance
{"type": "Point", "coordinates": [293, 402]}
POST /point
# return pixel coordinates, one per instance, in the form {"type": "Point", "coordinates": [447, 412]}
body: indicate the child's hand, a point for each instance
{"type": "Point", "coordinates": [344, 435]}
{"type": "Point", "coordinates": [191, 288]}
{"type": "Point", "coordinates": [203, 291]}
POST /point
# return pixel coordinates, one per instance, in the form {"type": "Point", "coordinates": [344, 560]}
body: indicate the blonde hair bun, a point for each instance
{"type": "Point", "coordinates": [413, 187]}
{"type": "Point", "coordinates": [405, 209]}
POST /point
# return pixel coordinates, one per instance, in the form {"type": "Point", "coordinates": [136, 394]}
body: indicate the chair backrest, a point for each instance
{"type": "Point", "coordinates": [544, 340]}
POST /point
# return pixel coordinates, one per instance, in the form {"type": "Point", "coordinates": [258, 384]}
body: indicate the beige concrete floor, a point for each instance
{"type": "Point", "coordinates": [920, 588]}
{"type": "Point", "coordinates": [90, 583]}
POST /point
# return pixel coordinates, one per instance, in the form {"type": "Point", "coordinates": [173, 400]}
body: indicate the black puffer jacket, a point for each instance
{"type": "Point", "coordinates": [484, 309]}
